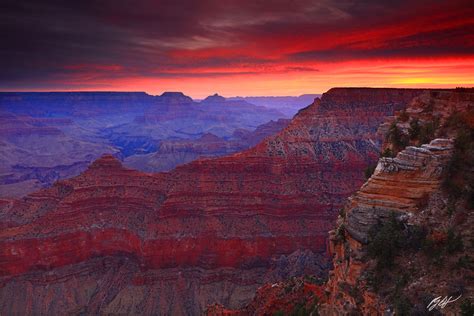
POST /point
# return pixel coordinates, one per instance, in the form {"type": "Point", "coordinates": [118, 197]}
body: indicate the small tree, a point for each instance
{"type": "Point", "coordinates": [369, 171]}
{"type": "Point", "coordinates": [387, 152]}
{"type": "Point", "coordinates": [396, 137]}
{"type": "Point", "coordinates": [414, 130]}
{"type": "Point", "coordinates": [403, 117]}
{"type": "Point", "coordinates": [384, 242]}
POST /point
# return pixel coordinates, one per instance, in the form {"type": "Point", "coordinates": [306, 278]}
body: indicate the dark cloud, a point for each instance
{"type": "Point", "coordinates": [47, 40]}
{"type": "Point", "coordinates": [452, 42]}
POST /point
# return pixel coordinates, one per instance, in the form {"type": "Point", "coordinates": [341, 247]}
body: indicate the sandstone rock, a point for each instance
{"type": "Point", "coordinates": [398, 185]}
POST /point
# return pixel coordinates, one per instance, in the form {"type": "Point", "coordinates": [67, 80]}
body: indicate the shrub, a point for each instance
{"type": "Point", "coordinates": [453, 242]}
{"type": "Point", "coordinates": [455, 121]}
{"type": "Point", "coordinates": [375, 279]}
{"type": "Point", "coordinates": [414, 130]}
{"type": "Point", "coordinates": [340, 233]}
{"type": "Point", "coordinates": [384, 243]}
{"type": "Point", "coordinates": [402, 305]}
{"type": "Point", "coordinates": [387, 153]}
{"type": "Point", "coordinates": [313, 279]}
{"type": "Point", "coordinates": [414, 238]}
{"type": "Point", "coordinates": [432, 251]}
{"type": "Point", "coordinates": [467, 308]}
{"type": "Point", "coordinates": [388, 239]}
{"type": "Point", "coordinates": [424, 133]}
{"type": "Point", "coordinates": [301, 310]}
{"type": "Point", "coordinates": [403, 117]}
{"type": "Point", "coordinates": [459, 178]}
{"type": "Point", "coordinates": [369, 171]}
{"type": "Point", "coordinates": [396, 137]}
{"type": "Point", "coordinates": [427, 132]}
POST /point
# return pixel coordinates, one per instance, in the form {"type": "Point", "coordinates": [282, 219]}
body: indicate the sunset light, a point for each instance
{"type": "Point", "coordinates": [238, 47]}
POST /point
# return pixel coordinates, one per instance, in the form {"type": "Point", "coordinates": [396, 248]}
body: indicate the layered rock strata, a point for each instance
{"type": "Point", "coordinates": [411, 187]}
{"type": "Point", "coordinates": [114, 239]}
{"type": "Point", "coordinates": [172, 153]}
{"type": "Point", "coordinates": [397, 185]}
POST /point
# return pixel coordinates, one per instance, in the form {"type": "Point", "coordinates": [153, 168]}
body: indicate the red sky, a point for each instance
{"type": "Point", "coordinates": [235, 47]}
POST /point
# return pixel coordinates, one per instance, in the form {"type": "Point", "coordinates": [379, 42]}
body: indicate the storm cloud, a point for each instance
{"type": "Point", "coordinates": [57, 44]}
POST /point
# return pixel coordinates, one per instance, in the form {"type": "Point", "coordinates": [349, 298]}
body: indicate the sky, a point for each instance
{"type": "Point", "coordinates": [234, 47]}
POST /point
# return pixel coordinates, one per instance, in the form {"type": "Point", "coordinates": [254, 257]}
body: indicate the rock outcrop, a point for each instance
{"type": "Point", "coordinates": [435, 228]}
{"type": "Point", "coordinates": [298, 296]}
{"type": "Point", "coordinates": [405, 237]}
{"type": "Point", "coordinates": [115, 240]}
{"type": "Point", "coordinates": [397, 186]}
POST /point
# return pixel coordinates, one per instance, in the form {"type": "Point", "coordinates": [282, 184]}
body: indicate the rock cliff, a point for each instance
{"type": "Point", "coordinates": [405, 237]}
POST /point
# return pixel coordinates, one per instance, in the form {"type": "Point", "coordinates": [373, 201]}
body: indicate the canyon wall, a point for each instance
{"type": "Point", "coordinates": [405, 237]}
{"type": "Point", "coordinates": [115, 240]}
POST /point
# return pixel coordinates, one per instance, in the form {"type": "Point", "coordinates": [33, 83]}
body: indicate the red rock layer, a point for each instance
{"type": "Point", "coordinates": [236, 212]}
{"type": "Point", "coordinates": [292, 297]}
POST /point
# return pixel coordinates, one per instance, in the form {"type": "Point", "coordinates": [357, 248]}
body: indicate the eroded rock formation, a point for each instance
{"type": "Point", "coordinates": [171, 153]}
{"type": "Point", "coordinates": [397, 186]}
{"type": "Point", "coordinates": [437, 224]}
{"type": "Point", "coordinates": [405, 237]}
{"type": "Point", "coordinates": [115, 240]}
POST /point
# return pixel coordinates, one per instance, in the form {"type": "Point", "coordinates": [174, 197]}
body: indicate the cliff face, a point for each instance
{"type": "Point", "coordinates": [298, 296]}
{"type": "Point", "coordinates": [398, 185]}
{"type": "Point", "coordinates": [404, 238]}
{"type": "Point", "coordinates": [114, 240]}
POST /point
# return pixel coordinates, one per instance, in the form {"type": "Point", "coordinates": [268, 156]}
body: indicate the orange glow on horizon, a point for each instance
{"type": "Point", "coordinates": [246, 48]}
{"type": "Point", "coordinates": [279, 81]}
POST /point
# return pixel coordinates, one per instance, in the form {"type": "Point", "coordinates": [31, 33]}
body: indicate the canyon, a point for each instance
{"type": "Point", "coordinates": [405, 237]}
{"type": "Point", "coordinates": [117, 240]}
{"type": "Point", "coordinates": [171, 153]}
{"type": "Point", "coordinates": [45, 137]}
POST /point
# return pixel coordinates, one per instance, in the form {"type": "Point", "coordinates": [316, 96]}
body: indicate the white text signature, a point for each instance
{"type": "Point", "coordinates": [441, 302]}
